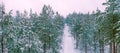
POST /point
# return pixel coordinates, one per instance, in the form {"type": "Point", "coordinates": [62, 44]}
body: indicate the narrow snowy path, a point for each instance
{"type": "Point", "coordinates": [68, 42]}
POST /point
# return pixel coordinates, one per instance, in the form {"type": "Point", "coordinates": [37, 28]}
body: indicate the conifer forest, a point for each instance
{"type": "Point", "coordinates": [45, 32]}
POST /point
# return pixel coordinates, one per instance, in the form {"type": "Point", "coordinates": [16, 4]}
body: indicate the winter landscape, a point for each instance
{"type": "Point", "coordinates": [59, 26]}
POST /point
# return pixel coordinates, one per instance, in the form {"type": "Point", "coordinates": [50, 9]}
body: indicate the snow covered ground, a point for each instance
{"type": "Point", "coordinates": [68, 42]}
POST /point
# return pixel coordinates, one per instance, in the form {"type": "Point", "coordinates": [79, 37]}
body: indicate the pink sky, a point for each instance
{"type": "Point", "coordinates": [64, 7]}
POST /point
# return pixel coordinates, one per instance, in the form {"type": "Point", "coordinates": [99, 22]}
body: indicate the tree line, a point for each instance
{"type": "Point", "coordinates": [97, 32]}
{"type": "Point", "coordinates": [30, 32]}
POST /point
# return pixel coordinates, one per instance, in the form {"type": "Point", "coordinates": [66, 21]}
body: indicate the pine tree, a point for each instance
{"type": "Point", "coordinates": [112, 15]}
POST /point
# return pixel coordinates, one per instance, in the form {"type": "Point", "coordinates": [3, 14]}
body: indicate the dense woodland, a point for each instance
{"type": "Point", "coordinates": [95, 32]}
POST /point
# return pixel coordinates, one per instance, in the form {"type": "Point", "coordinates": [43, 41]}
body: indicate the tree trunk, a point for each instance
{"type": "Point", "coordinates": [2, 45]}
{"type": "Point", "coordinates": [44, 46]}
{"type": "Point", "coordinates": [95, 48]}
{"type": "Point", "coordinates": [114, 44]}
{"type": "Point", "coordinates": [102, 49]}
{"type": "Point", "coordinates": [101, 46]}
{"type": "Point", "coordinates": [29, 45]}
{"type": "Point", "coordinates": [85, 48]}
{"type": "Point", "coordinates": [114, 48]}
{"type": "Point", "coordinates": [111, 48]}
{"type": "Point", "coordinates": [77, 42]}
{"type": "Point", "coordinates": [28, 50]}
{"type": "Point", "coordinates": [49, 42]}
